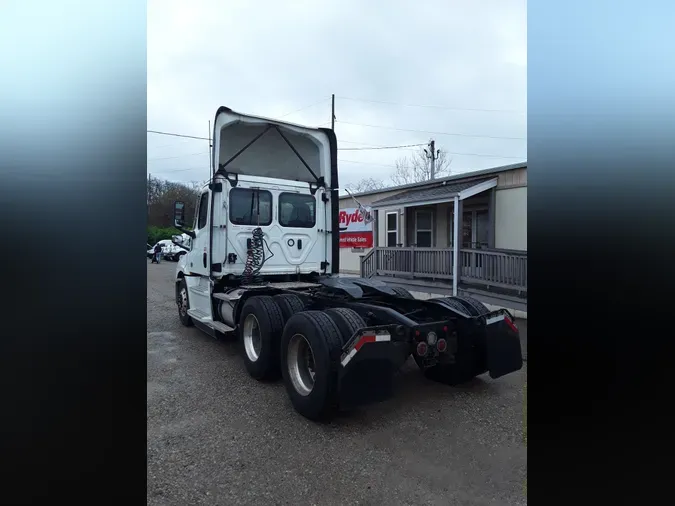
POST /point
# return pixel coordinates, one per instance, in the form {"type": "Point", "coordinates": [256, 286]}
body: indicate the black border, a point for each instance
{"type": "Point", "coordinates": [73, 359]}
{"type": "Point", "coordinates": [600, 230]}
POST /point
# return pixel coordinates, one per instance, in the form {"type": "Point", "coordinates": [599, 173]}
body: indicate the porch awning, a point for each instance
{"type": "Point", "coordinates": [437, 194]}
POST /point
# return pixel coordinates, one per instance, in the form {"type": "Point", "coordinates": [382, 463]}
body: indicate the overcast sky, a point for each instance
{"type": "Point", "coordinates": [467, 58]}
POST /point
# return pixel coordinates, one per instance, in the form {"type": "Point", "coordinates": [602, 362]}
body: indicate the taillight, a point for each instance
{"type": "Point", "coordinates": [421, 349]}
{"type": "Point", "coordinates": [441, 345]}
{"type": "Point", "coordinates": [432, 338]}
{"type": "Point", "coordinates": [511, 325]}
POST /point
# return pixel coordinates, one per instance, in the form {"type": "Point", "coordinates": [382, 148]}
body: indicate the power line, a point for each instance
{"type": "Point", "coordinates": [305, 107]}
{"type": "Point", "coordinates": [433, 133]}
{"type": "Point", "coordinates": [374, 146]}
{"type": "Point", "coordinates": [382, 147]}
{"type": "Point", "coordinates": [178, 156]}
{"type": "Point", "coordinates": [366, 163]}
{"type": "Point", "coordinates": [178, 135]}
{"type": "Point", "coordinates": [431, 106]}
{"type": "Point", "coordinates": [445, 151]}
{"type": "Point", "coordinates": [485, 155]}
{"type": "Point", "coordinates": [182, 143]}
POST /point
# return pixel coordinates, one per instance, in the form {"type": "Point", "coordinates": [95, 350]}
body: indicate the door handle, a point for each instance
{"type": "Point", "coordinates": [204, 259]}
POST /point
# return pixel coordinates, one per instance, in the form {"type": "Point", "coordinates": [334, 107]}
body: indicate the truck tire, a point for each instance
{"type": "Point", "coordinates": [452, 302]}
{"type": "Point", "coordinates": [402, 292]}
{"type": "Point", "coordinates": [183, 303]}
{"type": "Point", "coordinates": [289, 304]}
{"type": "Point", "coordinates": [260, 325]}
{"type": "Point", "coordinates": [474, 306]}
{"type": "Point", "coordinates": [310, 352]}
{"type": "Point", "coordinates": [347, 320]}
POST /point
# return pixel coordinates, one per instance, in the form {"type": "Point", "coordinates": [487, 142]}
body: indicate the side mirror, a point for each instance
{"type": "Point", "coordinates": [179, 214]}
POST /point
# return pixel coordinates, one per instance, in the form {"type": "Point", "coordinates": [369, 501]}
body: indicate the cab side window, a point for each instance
{"type": "Point", "coordinates": [203, 211]}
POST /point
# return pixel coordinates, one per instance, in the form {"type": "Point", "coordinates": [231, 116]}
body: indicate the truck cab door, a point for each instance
{"type": "Point", "coordinates": [197, 257]}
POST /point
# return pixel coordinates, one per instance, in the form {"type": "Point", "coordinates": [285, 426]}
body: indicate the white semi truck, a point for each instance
{"type": "Point", "coordinates": [262, 267]}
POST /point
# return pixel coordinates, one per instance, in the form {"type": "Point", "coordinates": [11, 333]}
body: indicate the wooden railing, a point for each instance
{"type": "Point", "coordinates": [504, 269]}
{"type": "Point", "coordinates": [368, 265]}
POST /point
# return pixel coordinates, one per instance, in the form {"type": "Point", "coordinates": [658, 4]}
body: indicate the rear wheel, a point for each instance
{"type": "Point", "coordinates": [310, 352]}
{"type": "Point", "coordinates": [473, 306]}
{"type": "Point", "coordinates": [289, 304]}
{"type": "Point", "coordinates": [183, 303]}
{"type": "Point", "coordinates": [261, 324]}
{"type": "Point", "coordinates": [402, 292]}
{"type": "Point", "coordinates": [453, 303]}
{"type": "Point", "coordinates": [347, 320]}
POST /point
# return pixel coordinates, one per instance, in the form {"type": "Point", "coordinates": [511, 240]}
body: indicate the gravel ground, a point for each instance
{"type": "Point", "coordinates": [216, 436]}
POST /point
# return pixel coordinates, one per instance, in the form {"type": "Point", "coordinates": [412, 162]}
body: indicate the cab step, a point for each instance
{"type": "Point", "coordinates": [221, 327]}
{"type": "Point", "coordinates": [199, 315]}
{"type": "Point", "coordinates": [205, 319]}
{"type": "Point", "coordinates": [200, 290]}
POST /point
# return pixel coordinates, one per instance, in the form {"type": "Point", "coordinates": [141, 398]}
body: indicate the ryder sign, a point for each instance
{"type": "Point", "coordinates": [354, 231]}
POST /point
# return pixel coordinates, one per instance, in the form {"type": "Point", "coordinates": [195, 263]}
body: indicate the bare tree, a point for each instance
{"type": "Point", "coordinates": [365, 185]}
{"type": "Point", "coordinates": [417, 167]}
{"type": "Point", "coordinates": [162, 194]}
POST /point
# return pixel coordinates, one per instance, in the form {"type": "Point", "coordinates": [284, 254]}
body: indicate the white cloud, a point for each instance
{"type": "Point", "coordinates": [271, 58]}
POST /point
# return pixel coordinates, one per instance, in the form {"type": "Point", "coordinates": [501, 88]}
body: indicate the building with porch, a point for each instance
{"type": "Point", "coordinates": [416, 228]}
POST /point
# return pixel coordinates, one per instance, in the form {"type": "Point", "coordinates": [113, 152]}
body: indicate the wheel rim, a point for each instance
{"type": "Point", "coordinates": [300, 364]}
{"type": "Point", "coordinates": [183, 305]}
{"type": "Point", "coordinates": [252, 339]}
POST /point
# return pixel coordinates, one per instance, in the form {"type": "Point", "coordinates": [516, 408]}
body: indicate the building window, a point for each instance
{"type": "Point", "coordinates": [297, 210]}
{"type": "Point", "coordinates": [423, 229]}
{"type": "Point", "coordinates": [392, 229]}
{"type": "Point", "coordinates": [250, 207]}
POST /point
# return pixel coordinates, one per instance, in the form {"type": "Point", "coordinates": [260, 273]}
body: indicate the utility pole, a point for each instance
{"type": "Point", "coordinates": [332, 111]}
{"type": "Point", "coordinates": [432, 155]}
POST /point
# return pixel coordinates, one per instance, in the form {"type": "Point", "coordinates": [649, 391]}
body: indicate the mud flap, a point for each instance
{"type": "Point", "coordinates": [368, 378]}
{"type": "Point", "coordinates": [504, 354]}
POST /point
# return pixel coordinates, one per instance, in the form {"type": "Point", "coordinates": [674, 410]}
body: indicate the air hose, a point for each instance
{"type": "Point", "coordinates": [255, 258]}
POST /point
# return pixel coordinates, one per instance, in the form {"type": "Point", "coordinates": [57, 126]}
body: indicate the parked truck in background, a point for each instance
{"type": "Point", "coordinates": [170, 250]}
{"type": "Point", "coordinates": [262, 264]}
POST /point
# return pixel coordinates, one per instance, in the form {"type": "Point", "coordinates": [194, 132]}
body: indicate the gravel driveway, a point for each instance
{"type": "Point", "coordinates": [216, 436]}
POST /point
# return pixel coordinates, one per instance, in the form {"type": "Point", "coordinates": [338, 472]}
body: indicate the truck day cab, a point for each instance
{"type": "Point", "coordinates": [262, 267]}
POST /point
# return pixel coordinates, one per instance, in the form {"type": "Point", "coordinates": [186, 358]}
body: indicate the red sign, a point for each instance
{"type": "Point", "coordinates": [356, 239]}
{"type": "Point", "coordinates": [354, 231]}
{"type": "Point", "coordinates": [353, 221]}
